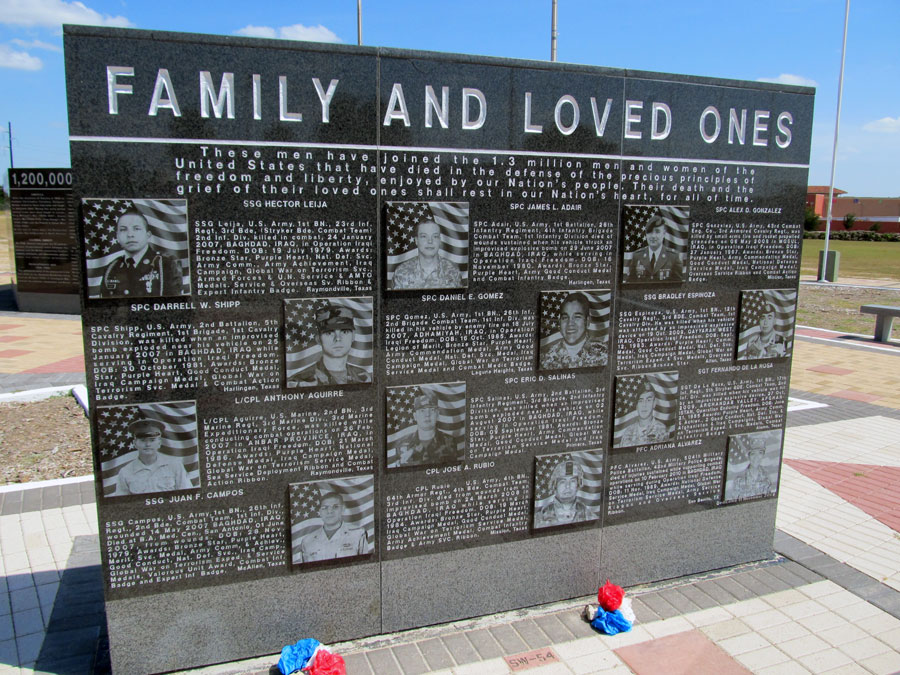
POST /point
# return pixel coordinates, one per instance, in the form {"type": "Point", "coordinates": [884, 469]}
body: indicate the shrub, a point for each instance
{"type": "Point", "coordinates": [849, 219]}
{"type": "Point", "coordinates": [811, 220]}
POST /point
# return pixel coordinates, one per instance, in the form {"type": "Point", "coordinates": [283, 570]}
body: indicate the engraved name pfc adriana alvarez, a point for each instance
{"type": "Point", "coordinates": [144, 270]}
{"type": "Point", "coordinates": [334, 538]}
{"type": "Point", "coordinates": [576, 349]}
{"type": "Point", "coordinates": [150, 471]}
{"type": "Point", "coordinates": [565, 481]}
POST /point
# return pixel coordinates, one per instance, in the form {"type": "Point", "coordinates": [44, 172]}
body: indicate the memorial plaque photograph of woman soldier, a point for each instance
{"type": "Point", "coordinates": [568, 488]}
{"type": "Point", "coordinates": [136, 248]}
{"type": "Point", "coordinates": [766, 324]}
{"type": "Point", "coordinates": [328, 341]}
{"type": "Point", "coordinates": [426, 424]}
{"type": "Point", "coordinates": [646, 409]}
{"type": "Point", "coordinates": [427, 245]}
{"type": "Point", "coordinates": [753, 462]}
{"type": "Point", "coordinates": [332, 519]}
{"type": "Point", "coordinates": [574, 329]}
{"type": "Point", "coordinates": [148, 448]}
{"type": "Point", "coordinates": [655, 244]}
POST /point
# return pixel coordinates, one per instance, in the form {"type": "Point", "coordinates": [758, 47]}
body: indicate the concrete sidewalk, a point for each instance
{"type": "Point", "coordinates": [827, 602]}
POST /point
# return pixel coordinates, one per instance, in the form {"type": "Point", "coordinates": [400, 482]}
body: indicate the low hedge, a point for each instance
{"type": "Point", "coordinates": [853, 235]}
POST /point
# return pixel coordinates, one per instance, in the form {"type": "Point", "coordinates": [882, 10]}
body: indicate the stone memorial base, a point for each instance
{"type": "Point", "coordinates": [47, 303]}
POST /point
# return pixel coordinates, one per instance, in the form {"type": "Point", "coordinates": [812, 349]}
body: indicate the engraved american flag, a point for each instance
{"type": "Point", "coordinates": [629, 387]}
{"type": "Point", "coordinates": [451, 217]}
{"type": "Point", "coordinates": [451, 398]}
{"type": "Point", "coordinates": [677, 220]}
{"type": "Point", "coordinates": [168, 222]}
{"type": "Point", "coordinates": [551, 304]}
{"type": "Point", "coordinates": [752, 305]}
{"type": "Point", "coordinates": [591, 491]}
{"type": "Point", "coordinates": [179, 438]}
{"type": "Point", "coordinates": [302, 349]}
{"type": "Point", "coordinates": [358, 493]}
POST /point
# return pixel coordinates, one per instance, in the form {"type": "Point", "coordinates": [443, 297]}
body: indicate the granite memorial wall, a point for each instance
{"type": "Point", "coordinates": [377, 339]}
{"type": "Point", "coordinates": [44, 214]}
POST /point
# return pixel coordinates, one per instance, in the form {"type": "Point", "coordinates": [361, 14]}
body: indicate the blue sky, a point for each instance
{"type": "Point", "coordinates": [797, 41]}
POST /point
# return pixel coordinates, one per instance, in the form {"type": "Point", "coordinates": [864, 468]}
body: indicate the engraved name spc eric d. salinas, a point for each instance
{"type": "Point", "coordinates": [143, 271]}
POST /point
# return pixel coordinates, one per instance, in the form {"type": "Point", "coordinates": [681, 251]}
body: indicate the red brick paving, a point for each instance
{"type": "Point", "coordinates": [874, 489]}
{"type": "Point", "coordinates": [10, 326]}
{"type": "Point", "coordinates": [687, 653]}
{"type": "Point", "coordinates": [831, 370]}
{"type": "Point", "coordinates": [13, 353]}
{"type": "Point", "coordinates": [73, 364]}
{"type": "Point", "coordinates": [856, 396]}
{"type": "Point", "coordinates": [12, 338]}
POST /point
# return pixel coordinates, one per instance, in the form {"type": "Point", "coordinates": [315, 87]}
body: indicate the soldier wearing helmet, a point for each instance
{"type": "Point", "coordinates": [427, 444]}
{"type": "Point", "coordinates": [336, 333]}
{"type": "Point", "coordinates": [566, 479]}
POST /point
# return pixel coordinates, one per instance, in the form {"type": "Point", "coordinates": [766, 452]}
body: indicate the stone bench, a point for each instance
{"type": "Point", "coordinates": [884, 319]}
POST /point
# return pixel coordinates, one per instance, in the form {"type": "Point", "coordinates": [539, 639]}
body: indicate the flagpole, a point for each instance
{"type": "Point", "coordinates": [837, 124]}
{"type": "Point", "coordinates": [553, 33]}
{"type": "Point", "coordinates": [359, 22]}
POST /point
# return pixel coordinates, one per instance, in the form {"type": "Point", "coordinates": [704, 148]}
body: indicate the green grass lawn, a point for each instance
{"type": "Point", "coordinates": [837, 308]}
{"type": "Point", "coordinates": [859, 259]}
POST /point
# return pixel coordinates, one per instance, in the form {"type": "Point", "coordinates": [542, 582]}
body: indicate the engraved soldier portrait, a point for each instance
{"type": "Point", "coordinates": [328, 341]}
{"type": "Point", "coordinates": [568, 488]}
{"type": "Point", "coordinates": [147, 448]}
{"type": "Point", "coordinates": [136, 248]}
{"type": "Point", "coordinates": [426, 424]}
{"type": "Point", "coordinates": [332, 519]}
{"type": "Point", "coordinates": [574, 329]}
{"type": "Point", "coordinates": [752, 468]}
{"type": "Point", "coordinates": [766, 324]}
{"type": "Point", "coordinates": [655, 243]}
{"type": "Point", "coordinates": [427, 245]}
{"type": "Point", "coordinates": [646, 409]}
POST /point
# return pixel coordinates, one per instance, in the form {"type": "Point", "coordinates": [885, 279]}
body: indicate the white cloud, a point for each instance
{"type": "Point", "coordinates": [296, 32]}
{"type": "Point", "coordinates": [53, 13]}
{"type": "Point", "coordinates": [787, 78]}
{"type": "Point", "coordinates": [10, 58]}
{"type": "Point", "coordinates": [886, 125]}
{"type": "Point", "coordinates": [36, 44]}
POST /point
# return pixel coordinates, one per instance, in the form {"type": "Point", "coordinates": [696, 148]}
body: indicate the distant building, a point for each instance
{"type": "Point", "coordinates": [868, 210]}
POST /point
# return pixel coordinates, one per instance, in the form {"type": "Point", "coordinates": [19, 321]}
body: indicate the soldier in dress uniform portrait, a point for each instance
{"type": "Point", "coordinates": [655, 261]}
{"type": "Point", "coordinates": [565, 481]}
{"type": "Point", "coordinates": [334, 538]}
{"type": "Point", "coordinates": [427, 444]}
{"type": "Point", "coordinates": [428, 269]}
{"type": "Point", "coordinates": [336, 333]}
{"type": "Point", "coordinates": [576, 349]}
{"type": "Point", "coordinates": [143, 271]}
{"type": "Point", "coordinates": [768, 343]}
{"type": "Point", "coordinates": [646, 428]}
{"type": "Point", "coordinates": [150, 471]}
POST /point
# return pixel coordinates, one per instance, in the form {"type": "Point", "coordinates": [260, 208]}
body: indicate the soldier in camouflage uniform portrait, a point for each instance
{"type": "Point", "coordinates": [577, 349]}
{"type": "Point", "coordinates": [565, 481]}
{"type": "Point", "coordinates": [427, 444]}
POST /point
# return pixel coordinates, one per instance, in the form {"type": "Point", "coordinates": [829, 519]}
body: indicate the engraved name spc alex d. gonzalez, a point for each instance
{"type": "Point", "coordinates": [143, 270]}
{"type": "Point", "coordinates": [150, 471]}
{"type": "Point", "coordinates": [576, 349]}
{"type": "Point", "coordinates": [333, 538]}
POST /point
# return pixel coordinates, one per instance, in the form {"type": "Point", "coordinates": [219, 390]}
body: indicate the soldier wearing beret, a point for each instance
{"type": "Point", "coordinates": [334, 538]}
{"type": "Point", "coordinates": [646, 428]}
{"type": "Point", "coordinates": [428, 269]}
{"type": "Point", "coordinates": [150, 471]}
{"type": "Point", "coordinates": [767, 344]}
{"type": "Point", "coordinates": [336, 333]}
{"type": "Point", "coordinates": [565, 507]}
{"type": "Point", "coordinates": [655, 261]}
{"type": "Point", "coordinates": [576, 349]}
{"type": "Point", "coordinates": [143, 271]}
{"type": "Point", "coordinates": [753, 481]}
{"type": "Point", "coordinates": [427, 444]}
